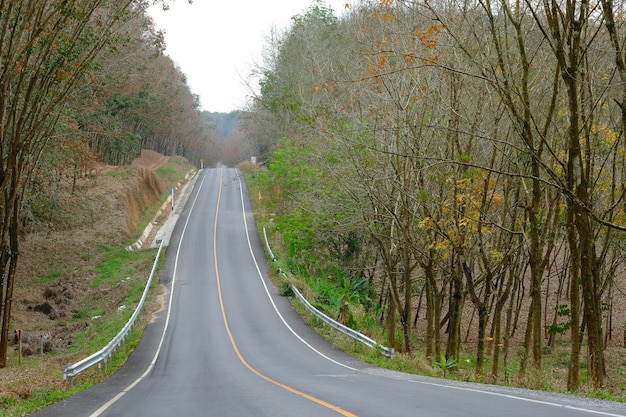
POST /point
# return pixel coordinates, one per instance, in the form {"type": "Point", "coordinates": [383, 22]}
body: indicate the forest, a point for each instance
{"type": "Point", "coordinates": [457, 168]}
{"type": "Point", "coordinates": [81, 82]}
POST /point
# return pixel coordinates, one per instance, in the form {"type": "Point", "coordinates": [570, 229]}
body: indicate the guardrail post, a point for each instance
{"type": "Point", "coordinates": [68, 378]}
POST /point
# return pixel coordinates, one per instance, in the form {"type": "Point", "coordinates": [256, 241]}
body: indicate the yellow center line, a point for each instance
{"type": "Point", "coordinates": [232, 340]}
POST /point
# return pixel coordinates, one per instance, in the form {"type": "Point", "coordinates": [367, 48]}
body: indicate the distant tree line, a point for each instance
{"type": "Point", "coordinates": [466, 159]}
{"type": "Point", "coordinates": [230, 138]}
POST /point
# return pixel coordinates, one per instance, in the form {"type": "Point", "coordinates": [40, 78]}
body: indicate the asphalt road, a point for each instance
{"type": "Point", "coordinates": [226, 344]}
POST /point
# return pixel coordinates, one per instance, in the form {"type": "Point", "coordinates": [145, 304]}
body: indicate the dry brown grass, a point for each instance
{"type": "Point", "coordinates": [58, 261]}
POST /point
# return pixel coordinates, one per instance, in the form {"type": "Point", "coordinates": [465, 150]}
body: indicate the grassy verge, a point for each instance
{"type": "Point", "coordinates": [120, 281]}
{"type": "Point", "coordinates": [105, 288]}
{"type": "Point", "coordinates": [324, 295]}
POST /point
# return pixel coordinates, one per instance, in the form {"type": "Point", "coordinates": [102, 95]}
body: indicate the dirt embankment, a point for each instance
{"type": "Point", "coordinates": [142, 194]}
{"type": "Point", "coordinates": [59, 257]}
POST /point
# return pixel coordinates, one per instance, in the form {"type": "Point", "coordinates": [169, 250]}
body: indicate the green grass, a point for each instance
{"type": "Point", "coordinates": [165, 171]}
{"type": "Point", "coordinates": [10, 407]}
{"type": "Point", "coordinates": [86, 312]}
{"type": "Point", "coordinates": [112, 288]}
{"type": "Point", "coordinates": [96, 335]}
{"type": "Point", "coordinates": [100, 332]}
{"type": "Point", "coordinates": [172, 173]}
{"type": "Point", "coordinates": [50, 277]}
{"type": "Point", "coordinates": [325, 293]}
{"type": "Point", "coordinates": [147, 218]}
{"type": "Point", "coordinates": [113, 271]}
{"type": "Point", "coordinates": [118, 264]}
{"type": "Point", "coordinates": [125, 173]}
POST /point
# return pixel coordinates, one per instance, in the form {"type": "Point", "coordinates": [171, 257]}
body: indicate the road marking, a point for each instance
{"type": "Point", "coordinates": [230, 336]}
{"type": "Point", "coordinates": [260, 274]}
{"type": "Point", "coordinates": [327, 405]}
{"type": "Point", "coordinates": [603, 413]}
{"type": "Point", "coordinates": [516, 397]}
{"type": "Point", "coordinates": [113, 400]}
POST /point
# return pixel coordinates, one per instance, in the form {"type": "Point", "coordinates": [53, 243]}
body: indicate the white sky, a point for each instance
{"type": "Point", "coordinates": [216, 43]}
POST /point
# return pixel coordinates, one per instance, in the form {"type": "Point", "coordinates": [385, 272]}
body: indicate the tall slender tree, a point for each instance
{"type": "Point", "coordinates": [47, 50]}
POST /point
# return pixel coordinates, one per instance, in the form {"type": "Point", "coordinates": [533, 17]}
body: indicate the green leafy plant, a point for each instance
{"type": "Point", "coordinates": [445, 364]}
{"type": "Point", "coordinates": [560, 328]}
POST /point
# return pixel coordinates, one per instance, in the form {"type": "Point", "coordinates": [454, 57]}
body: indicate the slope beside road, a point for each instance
{"type": "Point", "coordinates": [228, 345]}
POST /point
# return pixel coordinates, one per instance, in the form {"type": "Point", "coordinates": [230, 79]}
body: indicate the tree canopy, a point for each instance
{"type": "Point", "coordinates": [81, 81]}
{"type": "Point", "coordinates": [475, 148]}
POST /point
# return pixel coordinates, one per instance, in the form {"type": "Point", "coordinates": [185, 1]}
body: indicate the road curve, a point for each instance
{"type": "Point", "coordinates": [227, 345]}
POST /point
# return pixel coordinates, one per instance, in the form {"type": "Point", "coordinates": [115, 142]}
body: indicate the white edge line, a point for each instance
{"type": "Point", "coordinates": [245, 222]}
{"type": "Point", "coordinates": [585, 410]}
{"type": "Point", "coordinates": [515, 397]}
{"type": "Point", "coordinates": [113, 400]}
{"type": "Point", "coordinates": [152, 364]}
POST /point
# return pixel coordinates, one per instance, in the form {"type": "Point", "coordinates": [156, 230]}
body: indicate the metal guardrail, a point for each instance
{"type": "Point", "coordinates": [70, 371]}
{"type": "Point", "coordinates": [385, 351]}
{"type": "Point", "coordinates": [269, 250]}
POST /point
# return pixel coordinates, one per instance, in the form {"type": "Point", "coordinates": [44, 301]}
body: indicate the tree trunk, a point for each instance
{"type": "Point", "coordinates": [497, 320]}
{"type": "Point", "coordinates": [536, 271]}
{"type": "Point", "coordinates": [8, 254]}
{"type": "Point", "coordinates": [573, 370]}
{"type": "Point", "coordinates": [591, 297]}
{"type": "Point", "coordinates": [391, 322]}
{"type": "Point", "coordinates": [481, 308]}
{"type": "Point", "coordinates": [405, 314]}
{"type": "Point", "coordinates": [433, 313]}
{"type": "Point", "coordinates": [455, 308]}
